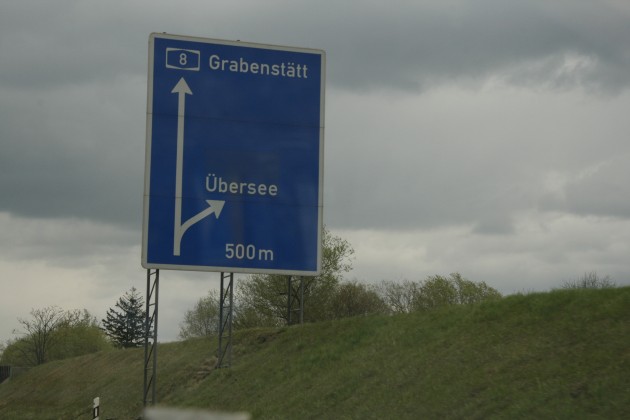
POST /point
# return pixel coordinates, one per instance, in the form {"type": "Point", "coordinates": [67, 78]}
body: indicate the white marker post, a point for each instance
{"type": "Point", "coordinates": [96, 408]}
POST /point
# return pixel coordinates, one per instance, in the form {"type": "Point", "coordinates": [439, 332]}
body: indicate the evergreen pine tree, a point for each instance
{"type": "Point", "coordinates": [125, 325]}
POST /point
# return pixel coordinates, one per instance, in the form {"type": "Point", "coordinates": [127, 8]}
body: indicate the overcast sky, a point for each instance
{"type": "Point", "coordinates": [488, 138]}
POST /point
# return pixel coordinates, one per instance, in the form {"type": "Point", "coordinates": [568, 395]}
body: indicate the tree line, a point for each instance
{"type": "Point", "coordinates": [260, 301]}
{"type": "Point", "coordinates": [52, 333]}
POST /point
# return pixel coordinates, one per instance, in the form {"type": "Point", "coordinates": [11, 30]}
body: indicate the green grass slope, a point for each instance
{"type": "Point", "coordinates": [563, 354]}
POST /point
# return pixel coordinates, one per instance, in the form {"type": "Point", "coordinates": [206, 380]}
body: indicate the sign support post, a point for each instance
{"type": "Point", "coordinates": [292, 296]}
{"type": "Point", "coordinates": [150, 338]}
{"type": "Point", "coordinates": [226, 314]}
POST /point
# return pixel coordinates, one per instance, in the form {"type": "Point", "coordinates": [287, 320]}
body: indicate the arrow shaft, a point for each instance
{"type": "Point", "coordinates": [179, 172]}
{"type": "Point", "coordinates": [181, 111]}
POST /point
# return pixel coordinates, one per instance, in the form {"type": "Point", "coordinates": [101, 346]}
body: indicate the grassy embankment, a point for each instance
{"type": "Point", "coordinates": [563, 354]}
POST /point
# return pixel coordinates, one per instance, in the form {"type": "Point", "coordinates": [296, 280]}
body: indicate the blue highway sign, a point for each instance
{"type": "Point", "coordinates": [234, 157]}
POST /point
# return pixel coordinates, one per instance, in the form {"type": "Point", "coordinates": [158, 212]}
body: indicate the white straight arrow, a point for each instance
{"type": "Point", "coordinates": [214, 206]}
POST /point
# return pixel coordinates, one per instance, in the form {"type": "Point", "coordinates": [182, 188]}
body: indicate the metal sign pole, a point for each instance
{"type": "Point", "coordinates": [226, 304]}
{"type": "Point", "coordinates": [301, 300]}
{"type": "Point", "coordinates": [150, 337]}
{"type": "Point", "coordinates": [289, 300]}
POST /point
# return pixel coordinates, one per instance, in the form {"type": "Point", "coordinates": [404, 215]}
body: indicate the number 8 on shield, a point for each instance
{"type": "Point", "coordinates": [179, 59]}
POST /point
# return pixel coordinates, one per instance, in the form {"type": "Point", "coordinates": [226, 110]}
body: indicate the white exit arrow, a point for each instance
{"type": "Point", "coordinates": [214, 206]}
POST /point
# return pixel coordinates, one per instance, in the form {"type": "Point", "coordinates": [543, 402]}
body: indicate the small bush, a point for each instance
{"type": "Point", "coordinates": [590, 281]}
{"type": "Point", "coordinates": [435, 292]}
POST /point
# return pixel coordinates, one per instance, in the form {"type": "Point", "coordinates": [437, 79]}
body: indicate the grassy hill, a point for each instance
{"type": "Point", "coordinates": [563, 354]}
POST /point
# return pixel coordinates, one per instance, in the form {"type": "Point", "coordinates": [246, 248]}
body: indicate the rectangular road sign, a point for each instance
{"type": "Point", "coordinates": [234, 157]}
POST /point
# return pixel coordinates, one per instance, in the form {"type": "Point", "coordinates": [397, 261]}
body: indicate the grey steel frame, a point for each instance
{"type": "Point", "coordinates": [292, 296]}
{"type": "Point", "coordinates": [226, 315]}
{"type": "Point", "coordinates": [150, 338]}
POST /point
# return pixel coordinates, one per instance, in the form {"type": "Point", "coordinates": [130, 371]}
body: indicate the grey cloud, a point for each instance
{"type": "Point", "coordinates": [415, 45]}
{"type": "Point", "coordinates": [75, 152]}
{"type": "Point", "coordinates": [401, 45]}
{"type": "Point", "coordinates": [65, 43]}
{"type": "Point", "coordinates": [457, 157]}
{"type": "Point", "coordinates": [601, 190]}
{"type": "Point", "coordinates": [65, 242]}
{"type": "Point", "coordinates": [444, 122]}
{"type": "Point", "coordinates": [73, 100]}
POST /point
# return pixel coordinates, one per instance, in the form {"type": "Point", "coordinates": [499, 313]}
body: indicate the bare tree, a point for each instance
{"type": "Point", "coordinates": [590, 280]}
{"type": "Point", "coordinates": [434, 292]}
{"type": "Point", "coordinates": [400, 297]}
{"type": "Point", "coordinates": [352, 298]}
{"type": "Point", "coordinates": [38, 333]}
